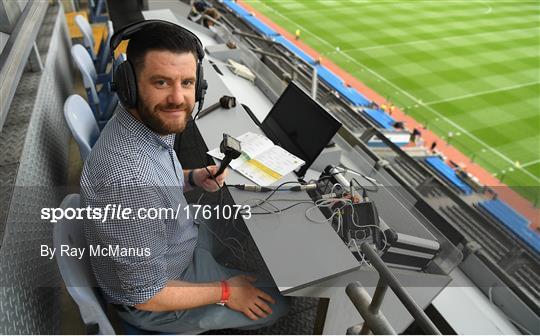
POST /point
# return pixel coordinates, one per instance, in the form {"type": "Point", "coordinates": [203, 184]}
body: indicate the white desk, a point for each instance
{"type": "Point", "coordinates": [304, 258]}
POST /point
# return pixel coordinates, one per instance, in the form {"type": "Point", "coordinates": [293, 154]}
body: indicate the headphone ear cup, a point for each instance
{"type": "Point", "coordinates": [202, 85]}
{"type": "Point", "coordinates": [126, 84]}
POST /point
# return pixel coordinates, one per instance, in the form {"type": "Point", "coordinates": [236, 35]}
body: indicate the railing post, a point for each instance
{"type": "Point", "coordinates": [314, 83]}
{"type": "Point", "coordinates": [34, 60]}
{"type": "Point", "coordinates": [388, 278]}
{"type": "Point", "coordinates": [374, 320]}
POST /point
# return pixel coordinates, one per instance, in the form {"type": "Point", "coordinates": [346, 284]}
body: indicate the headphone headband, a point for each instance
{"type": "Point", "coordinates": [128, 31]}
{"type": "Point", "coordinates": [124, 80]}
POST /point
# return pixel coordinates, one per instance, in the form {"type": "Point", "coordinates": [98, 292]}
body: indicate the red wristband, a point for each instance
{"type": "Point", "coordinates": [225, 292]}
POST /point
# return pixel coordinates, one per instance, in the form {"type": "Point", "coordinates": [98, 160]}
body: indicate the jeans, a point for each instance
{"type": "Point", "coordinates": [204, 268]}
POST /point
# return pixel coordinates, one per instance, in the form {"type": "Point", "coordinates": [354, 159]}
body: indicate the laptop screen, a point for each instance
{"type": "Point", "coordinates": [300, 125]}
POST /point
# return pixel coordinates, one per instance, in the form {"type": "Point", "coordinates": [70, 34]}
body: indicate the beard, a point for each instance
{"type": "Point", "coordinates": [151, 117]}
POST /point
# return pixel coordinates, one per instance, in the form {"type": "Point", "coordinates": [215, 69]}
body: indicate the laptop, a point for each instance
{"type": "Point", "coordinates": [300, 125]}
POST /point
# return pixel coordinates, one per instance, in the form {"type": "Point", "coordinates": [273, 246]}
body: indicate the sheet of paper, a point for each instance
{"type": "Point", "coordinates": [279, 160]}
{"type": "Point", "coordinates": [252, 145]}
{"type": "Point", "coordinates": [257, 175]}
{"type": "Point", "coordinates": [261, 161]}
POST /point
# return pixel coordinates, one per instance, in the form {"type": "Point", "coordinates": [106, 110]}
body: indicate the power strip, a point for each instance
{"type": "Point", "coordinates": [241, 70]}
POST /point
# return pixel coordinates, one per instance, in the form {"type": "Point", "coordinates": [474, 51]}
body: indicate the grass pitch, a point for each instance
{"type": "Point", "coordinates": [469, 70]}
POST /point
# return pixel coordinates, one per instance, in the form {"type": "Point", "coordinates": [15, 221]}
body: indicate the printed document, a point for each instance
{"type": "Point", "coordinates": [261, 161]}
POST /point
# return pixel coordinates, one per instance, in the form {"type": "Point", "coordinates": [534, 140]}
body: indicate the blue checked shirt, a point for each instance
{"type": "Point", "coordinates": [134, 167]}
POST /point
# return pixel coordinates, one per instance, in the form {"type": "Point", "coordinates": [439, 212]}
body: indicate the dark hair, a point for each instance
{"type": "Point", "coordinates": [158, 36]}
{"type": "Point", "coordinates": [213, 13]}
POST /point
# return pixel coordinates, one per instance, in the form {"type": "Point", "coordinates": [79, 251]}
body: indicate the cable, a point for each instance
{"type": "Point", "coordinates": [231, 248]}
{"type": "Point", "coordinates": [199, 108]}
{"type": "Point", "coordinates": [278, 211]}
{"type": "Point", "coordinates": [364, 261]}
{"type": "Point", "coordinates": [371, 180]}
{"type": "Point", "coordinates": [200, 198]}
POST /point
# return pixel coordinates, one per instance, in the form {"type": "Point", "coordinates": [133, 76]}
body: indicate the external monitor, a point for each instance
{"type": "Point", "coordinates": [300, 125]}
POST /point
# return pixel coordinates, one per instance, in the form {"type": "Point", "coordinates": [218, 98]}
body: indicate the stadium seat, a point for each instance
{"type": "Point", "coordinates": [260, 26]}
{"type": "Point", "coordinates": [79, 279]}
{"type": "Point", "coordinates": [77, 274]}
{"type": "Point", "coordinates": [97, 7]}
{"type": "Point", "coordinates": [381, 118]}
{"type": "Point", "coordinates": [102, 101]}
{"type": "Point", "coordinates": [237, 8]}
{"type": "Point", "coordinates": [81, 123]}
{"type": "Point", "coordinates": [513, 220]}
{"type": "Point", "coordinates": [448, 173]}
{"type": "Point", "coordinates": [102, 56]}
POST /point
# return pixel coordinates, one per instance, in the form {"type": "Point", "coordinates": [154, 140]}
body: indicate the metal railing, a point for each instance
{"type": "Point", "coordinates": [374, 320]}
{"type": "Point", "coordinates": [15, 54]}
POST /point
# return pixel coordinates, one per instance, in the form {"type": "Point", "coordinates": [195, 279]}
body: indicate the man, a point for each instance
{"type": "Point", "coordinates": [212, 13]}
{"type": "Point", "coordinates": [199, 10]}
{"type": "Point", "coordinates": [164, 278]}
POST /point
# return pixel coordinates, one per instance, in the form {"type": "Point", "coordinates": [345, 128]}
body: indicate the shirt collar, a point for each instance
{"type": "Point", "coordinates": [141, 131]}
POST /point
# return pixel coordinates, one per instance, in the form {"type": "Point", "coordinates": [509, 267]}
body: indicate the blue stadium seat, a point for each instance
{"type": "Point", "coordinates": [81, 123]}
{"type": "Point", "coordinates": [294, 49]}
{"type": "Point", "coordinates": [381, 118]}
{"type": "Point", "coordinates": [237, 8]}
{"type": "Point", "coordinates": [448, 173]}
{"type": "Point", "coordinates": [102, 101]}
{"type": "Point", "coordinates": [513, 220]}
{"type": "Point", "coordinates": [260, 26]}
{"type": "Point", "coordinates": [505, 213]}
{"type": "Point", "coordinates": [97, 7]}
{"type": "Point", "coordinates": [351, 94]}
{"type": "Point", "coordinates": [102, 57]}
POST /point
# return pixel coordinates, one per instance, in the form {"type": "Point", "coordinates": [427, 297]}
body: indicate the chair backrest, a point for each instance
{"type": "Point", "coordinates": [84, 63]}
{"type": "Point", "coordinates": [82, 123]}
{"type": "Point", "coordinates": [77, 273]}
{"type": "Point", "coordinates": [88, 72]}
{"type": "Point", "coordinates": [88, 36]}
{"type": "Point", "coordinates": [104, 51]}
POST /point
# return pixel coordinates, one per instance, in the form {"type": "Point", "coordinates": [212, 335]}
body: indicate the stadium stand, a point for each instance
{"type": "Point", "coordinates": [492, 245]}
{"type": "Point", "coordinates": [507, 251]}
{"type": "Point", "coordinates": [236, 8]}
{"type": "Point", "coordinates": [259, 26]}
{"type": "Point", "coordinates": [351, 94]}
{"type": "Point", "coordinates": [381, 118]}
{"type": "Point", "coordinates": [518, 224]}
{"type": "Point", "coordinates": [334, 81]}
{"type": "Point", "coordinates": [294, 49]}
{"type": "Point", "coordinates": [448, 173]}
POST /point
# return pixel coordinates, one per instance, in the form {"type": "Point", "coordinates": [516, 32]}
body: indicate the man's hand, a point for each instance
{"type": "Point", "coordinates": [248, 299]}
{"type": "Point", "coordinates": [205, 181]}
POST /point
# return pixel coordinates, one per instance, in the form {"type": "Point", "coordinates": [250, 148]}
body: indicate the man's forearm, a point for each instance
{"type": "Point", "coordinates": [180, 295]}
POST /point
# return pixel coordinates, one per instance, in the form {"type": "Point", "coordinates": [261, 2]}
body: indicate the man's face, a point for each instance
{"type": "Point", "coordinates": [166, 91]}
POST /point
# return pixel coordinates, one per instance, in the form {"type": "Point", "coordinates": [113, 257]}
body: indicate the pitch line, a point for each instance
{"type": "Point", "coordinates": [530, 163]}
{"type": "Point", "coordinates": [418, 101]}
{"type": "Point", "coordinates": [481, 93]}
{"type": "Point", "coordinates": [427, 41]}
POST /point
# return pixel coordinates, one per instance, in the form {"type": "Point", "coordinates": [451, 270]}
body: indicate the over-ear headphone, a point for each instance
{"type": "Point", "coordinates": [124, 81]}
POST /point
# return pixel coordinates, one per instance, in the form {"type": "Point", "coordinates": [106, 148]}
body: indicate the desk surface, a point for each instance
{"type": "Point", "coordinates": [296, 251]}
{"type": "Point", "coordinates": [303, 257]}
